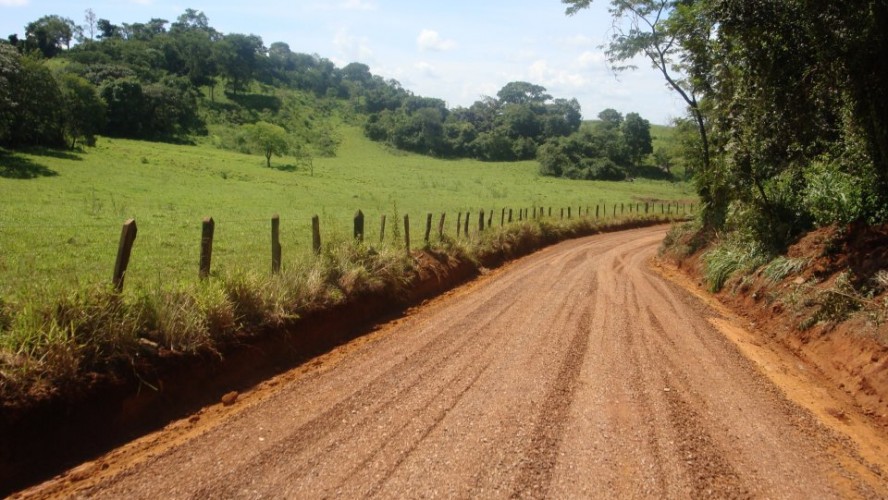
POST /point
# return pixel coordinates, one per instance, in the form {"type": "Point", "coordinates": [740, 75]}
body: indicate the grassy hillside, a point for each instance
{"type": "Point", "coordinates": [60, 227]}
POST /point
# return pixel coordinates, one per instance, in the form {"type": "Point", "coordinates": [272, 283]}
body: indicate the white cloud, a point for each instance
{"type": "Point", "coordinates": [431, 40]}
{"type": "Point", "coordinates": [352, 47]}
{"type": "Point", "coordinates": [14, 3]}
{"type": "Point", "coordinates": [540, 72]}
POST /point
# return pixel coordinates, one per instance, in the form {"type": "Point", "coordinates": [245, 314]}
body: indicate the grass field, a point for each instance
{"type": "Point", "coordinates": [60, 224]}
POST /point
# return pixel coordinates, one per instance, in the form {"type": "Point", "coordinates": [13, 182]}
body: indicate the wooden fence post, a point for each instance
{"type": "Point", "coordinates": [568, 212]}
{"type": "Point", "coordinates": [646, 208]}
{"type": "Point", "coordinates": [407, 233]}
{"type": "Point", "coordinates": [510, 216]}
{"type": "Point", "coordinates": [490, 218]}
{"type": "Point", "coordinates": [615, 210]}
{"type": "Point", "coordinates": [124, 249]}
{"type": "Point", "coordinates": [206, 246]}
{"type": "Point", "coordinates": [520, 214]}
{"type": "Point", "coordinates": [503, 218]}
{"type": "Point", "coordinates": [458, 223]}
{"type": "Point", "coordinates": [316, 234]}
{"type": "Point", "coordinates": [597, 212]}
{"type": "Point", "coordinates": [359, 225]}
{"type": "Point", "coordinates": [466, 225]}
{"type": "Point", "coordinates": [428, 232]}
{"type": "Point", "coordinates": [481, 221]}
{"type": "Point", "coordinates": [562, 212]}
{"type": "Point", "coordinates": [441, 225]}
{"type": "Point", "coordinates": [382, 229]}
{"type": "Point", "coordinates": [275, 244]}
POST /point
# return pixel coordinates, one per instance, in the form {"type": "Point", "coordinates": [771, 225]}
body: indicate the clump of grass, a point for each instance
{"type": "Point", "coordinates": [781, 267]}
{"type": "Point", "coordinates": [730, 257]}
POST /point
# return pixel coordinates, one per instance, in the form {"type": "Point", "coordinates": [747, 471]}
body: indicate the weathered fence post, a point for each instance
{"type": "Point", "coordinates": [441, 225]}
{"type": "Point", "coordinates": [466, 225]}
{"type": "Point", "coordinates": [359, 225]}
{"type": "Point", "coordinates": [124, 249]}
{"type": "Point", "coordinates": [568, 212]}
{"type": "Point", "coordinates": [407, 233]}
{"type": "Point", "coordinates": [503, 218]}
{"type": "Point", "coordinates": [490, 218]}
{"type": "Point", "coordinates": [510, 216]}
{"type": "Point", "coordinates": [646, 208]}
{"type": "Point", "coordinates": [316, 234]}
{"type": "Point", "coordinates": [458, 223]}
{"type": "Point", "coordinates": [622, 209]}
{"type": "Point", "coordinates": [562, 212]}
{"type": "Point", "coordinates": [206, 246]}
{"type": "Point", "coordinates": [520, 214]}
{"type": "Point", "coordinates": [481, 221]}
{"type": "Point", "coordinates": [428, 232]}
{"type": "Point", "coordinates": [275, 243]}
{"type": "Point", "coordinates": [615, 210]}
{"type": "Point", "coordinates": [382, 229]}
{"type": "Point", "coordinates": [597, 212]}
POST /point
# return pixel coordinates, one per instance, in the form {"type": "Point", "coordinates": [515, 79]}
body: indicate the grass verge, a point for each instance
{"type": "Point", "coordinates": [57, 344]}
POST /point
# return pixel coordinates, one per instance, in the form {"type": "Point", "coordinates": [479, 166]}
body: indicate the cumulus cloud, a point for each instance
{"type": "Point", "coordinates": [14, 3]}
{"type": "Point", "coordinates": [353, 47]}
{"type": "Point", "coordinates": [541, 72]}
{"type": "Point", "coordinates": [431, 40]}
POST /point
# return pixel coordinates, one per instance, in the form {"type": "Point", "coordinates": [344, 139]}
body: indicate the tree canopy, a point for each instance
{"type": "Point", "coordinates": [789, 99]}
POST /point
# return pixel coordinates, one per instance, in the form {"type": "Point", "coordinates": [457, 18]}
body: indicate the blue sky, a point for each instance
{"type": "Point", "coordinates": [457, 50]}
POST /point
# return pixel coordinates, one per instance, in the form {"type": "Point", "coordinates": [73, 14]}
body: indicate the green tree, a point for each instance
{"type": "Point", "coordinates": [637, 135]}
{"type": "Point", "coordinates": [238, 59]}
{"type": "Point", "coordinates": [268, 138]}
{"type": "Point", "coordinates": [10, 69]}
{"type": "Point", "coordinates": [49, 35]}
{"type": "Point", "coordinates": [84, 110]}
{"type": "Point", "coordinates": [675, 36]}
{"type": "Point", "coordinates": [610, 118]}
{"type": "Point", "coordinates": [37, 116]}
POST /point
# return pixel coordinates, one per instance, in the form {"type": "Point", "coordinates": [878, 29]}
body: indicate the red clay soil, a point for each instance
{"type": "Point", "coordinates": [43, 436]}
{"type": "Point", "coordinates": [840, 330]}
{"type": "Point", "coordinates": [576, 372]}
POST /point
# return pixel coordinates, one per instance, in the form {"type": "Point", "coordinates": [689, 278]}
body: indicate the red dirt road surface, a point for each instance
{"type": "Point", "coordinates": [579, 371]}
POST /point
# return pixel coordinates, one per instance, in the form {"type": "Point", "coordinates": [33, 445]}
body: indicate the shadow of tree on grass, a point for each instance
{"type": "Point", "coordinates": [13, 166]}
{"type": "Point", "coordinates": [285, 168]}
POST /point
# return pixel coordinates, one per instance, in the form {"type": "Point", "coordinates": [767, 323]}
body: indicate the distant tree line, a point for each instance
{"type": "Point", "coordinates": [64, 83]}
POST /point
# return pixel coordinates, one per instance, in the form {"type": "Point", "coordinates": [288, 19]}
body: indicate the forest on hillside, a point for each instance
{"type": "Point", "coordinates": [64, 84]}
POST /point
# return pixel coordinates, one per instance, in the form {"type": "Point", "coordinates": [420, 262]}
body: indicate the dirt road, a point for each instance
{"type": "Point", "coordinates": [576, 372]}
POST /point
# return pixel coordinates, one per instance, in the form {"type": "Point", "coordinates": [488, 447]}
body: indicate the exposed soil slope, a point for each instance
{"type": "Point", "coordinates": [575, 372]}
{"type": "Point", "coordinates": [831, 311]}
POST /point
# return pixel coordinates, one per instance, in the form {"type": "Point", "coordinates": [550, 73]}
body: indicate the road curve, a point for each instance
{"type": "Point", "coordinates": [575, 372]}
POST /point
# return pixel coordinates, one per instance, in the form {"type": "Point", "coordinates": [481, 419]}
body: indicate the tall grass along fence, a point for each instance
{"type": "Point", "coordinates": [434, 226]}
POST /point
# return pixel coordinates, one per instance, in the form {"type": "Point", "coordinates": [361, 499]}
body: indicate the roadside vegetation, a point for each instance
{"type": "Point", "coordinates": [786, 130]}
{"type": "Point", "coordinates": [170, 122]}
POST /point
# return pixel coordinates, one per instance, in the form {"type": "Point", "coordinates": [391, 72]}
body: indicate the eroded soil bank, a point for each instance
{"type": "Point", "coordinates": [830, 310]}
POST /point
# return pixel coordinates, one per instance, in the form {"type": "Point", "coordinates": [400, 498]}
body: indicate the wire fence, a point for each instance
{"type": "Point", "coordinates": [169, 250]}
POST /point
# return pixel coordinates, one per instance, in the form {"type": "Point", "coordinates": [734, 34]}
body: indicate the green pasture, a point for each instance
{"type": "Point", "coordinates": [61, 213]}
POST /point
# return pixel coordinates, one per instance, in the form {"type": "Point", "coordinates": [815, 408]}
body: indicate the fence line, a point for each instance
{"type": "Point", "coordinates": [466, 227]}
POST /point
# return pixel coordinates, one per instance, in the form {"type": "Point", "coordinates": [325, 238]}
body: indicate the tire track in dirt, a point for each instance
{"type": "Point", "coordinates": [575, 372]}
{"type": "Point", "coordinates": [536, 473]}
